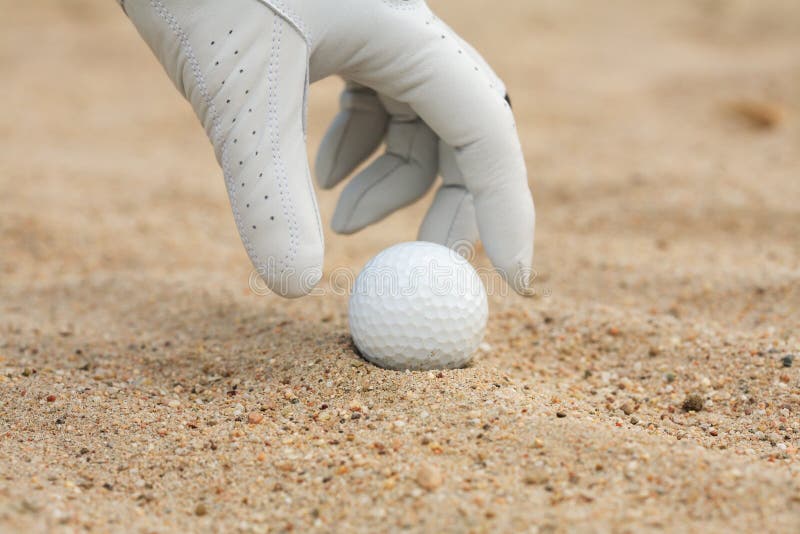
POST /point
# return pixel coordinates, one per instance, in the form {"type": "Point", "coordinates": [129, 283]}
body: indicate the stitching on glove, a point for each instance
{"type": "Point", "coordinates": [282, 10]}
{"type": "Point", "coordinates": [374, 184]}
{"type": "Point", "coordinates": [340, 147]}
{"type": "Point", "coordinates": [418, 126]}
{"type": "Point", "coordinates": [216, 128]}
{"type": "Point", "coordinates": [273, 122]}
{"type": "Point", "coordinates": [404, 5]}
{"type": "Point", "coordinates": [464, 196]}
{"type": "Point", "coordinates": [293, 18]}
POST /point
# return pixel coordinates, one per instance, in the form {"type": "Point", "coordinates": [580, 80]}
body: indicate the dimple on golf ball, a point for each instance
{"type": "Point", "coordinates": [418, 306]}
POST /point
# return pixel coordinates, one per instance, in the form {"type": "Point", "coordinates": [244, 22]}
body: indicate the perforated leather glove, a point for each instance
{"type": "Point", "coordinates": [245, 66]}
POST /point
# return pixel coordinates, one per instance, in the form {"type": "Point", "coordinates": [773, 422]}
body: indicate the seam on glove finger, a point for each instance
{"type": "Point", "coordinates": [407, 154]}
{"type": "Point", "coordinates": [273, 122]}
{"type": "Point", "coordinates": [464, 194]}
{"type": "Point", "coordinates": [291, 16]}
{"type": "Point", "coordinates": [280, 7]}
{"type": "Point", "coordinates": [404, 5]}
{"type": "Point", "coordinates": [339, 147]}
{"type": "Point", "coordinates": [368, 189]}
{"type": "Point", "coordinates": [414, 140]}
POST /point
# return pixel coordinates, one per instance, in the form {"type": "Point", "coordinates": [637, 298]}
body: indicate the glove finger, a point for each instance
{"type": "Point", "coordinates": [267, 170]}
{"type": "Point", "coordinates": [396, 179]}
{"type": "Point", "coordinates": [250, 95]}
{"type": "Point", "coordinates": [450, 221]}
{"type": "Point", "coordinates": [419, 61]}
{"type": "Point", "coordinates": [354, 135]}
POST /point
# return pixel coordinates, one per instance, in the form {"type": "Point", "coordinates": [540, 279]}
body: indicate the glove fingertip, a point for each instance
{"type": "Point", "coordinates": [295, 280]}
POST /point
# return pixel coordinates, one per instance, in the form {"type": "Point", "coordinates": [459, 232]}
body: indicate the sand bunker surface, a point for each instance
{"type": "Point", "coordinates": [144, 387]}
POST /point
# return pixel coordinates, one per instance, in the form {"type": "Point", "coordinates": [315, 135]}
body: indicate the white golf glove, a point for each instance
{"type": "Point", "coordinates": [245, 66]}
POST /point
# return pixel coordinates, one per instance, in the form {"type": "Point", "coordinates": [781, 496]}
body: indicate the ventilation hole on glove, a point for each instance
{"type": "Point", "coordinates": [242, 184]}
{"type": "Point", "coordinates": [212, 43]}
{"type": "Point", "coordinates": [443, 36]}
{"type": "Point", "coordinates": [248, 205]}
{"type": "Point", "coordinates": [271, 217]}
{"type": "Point", "coordinates": [241, 71]}
{"type": "Point", "coordinates": [261, 175]}
{"type": "Point", "coordinates": [254, 227]}
{"type": "Point", "coordinates": [256, 152]}
{"type": "Point", "coordinates": [247, 91]}
{"type": "Point", "coordinates": [223, 82]}
{"type": "Point", "coordinates": [236, 53]}
{"type": "Point", "coordinates": [266, 197]}
{"type": "Point", "coordinates": [234, 120]}
{"type": "Point", "coordinates": [216, 63]}
{"type": "Point", "coordinates": [230, 32]}
{"type": "Point", "coordinates": [476, 69]}
{"type": "Point", "coordinates": [228, 101]}
{"type": "Point", "coordinates": [235, 141]}
{"type": "Point", "coordinates": [254, 132]}
{"type": "Point", "coordinates": [241, 162]}
{"type": "Point", "coordinates": [250, 111]}
{"type": "Point", "coordinates": [460, 51]}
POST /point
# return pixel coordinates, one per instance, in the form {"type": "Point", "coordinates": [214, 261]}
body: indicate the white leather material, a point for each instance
{"type": "Point", "coordinates": [451, 218]}
{"type": "Point", "coordinates": [356, 132]}
{"type": "Point", "coordinates": [244, 65]}
{"type": "Point", "coordinates": [243, 69]}
{"type": "Point", "coordinates": [399, 177]}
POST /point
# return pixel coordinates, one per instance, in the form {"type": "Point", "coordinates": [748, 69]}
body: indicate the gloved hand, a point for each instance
{"type": "Point", "coordinates": [245, 66]}
{"type": "Point", "coordinates": [414, 156]}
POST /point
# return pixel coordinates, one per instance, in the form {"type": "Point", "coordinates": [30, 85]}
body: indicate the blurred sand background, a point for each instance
{"type": "Point", "coordinates": [144, 387]}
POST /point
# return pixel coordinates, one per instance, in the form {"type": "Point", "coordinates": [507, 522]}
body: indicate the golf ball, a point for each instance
{"type": "Point", "coordinates": [418, 306]}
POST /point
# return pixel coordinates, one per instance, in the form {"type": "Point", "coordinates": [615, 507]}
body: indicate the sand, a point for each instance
{"type": "Point", "coordinates": [145, 387]}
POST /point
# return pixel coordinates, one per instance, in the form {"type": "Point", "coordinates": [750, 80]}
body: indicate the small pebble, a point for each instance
{"type": "Point", "coordinates": [561, 415]}
{"type": "Point", "coordinates": [51, 398]}
{"type": "Point", "coordinates": [255, 418]}
{"type": "Point", "coordinates": [429, 477]}
{"type": "Point", "coordinates": [788, 360]}
{"type": "Point", "coordinates": [201, 510]}
{"type": "Point", "coordinates": [536, 475]}
{"type": "Point", "coordinates": [693, 403]}
{"type": "Point", "coordinates": [759, 114]}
